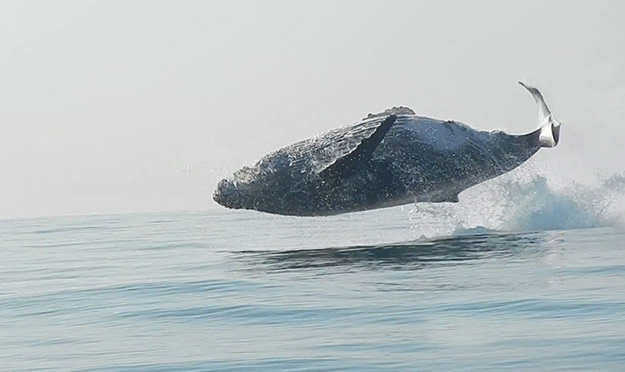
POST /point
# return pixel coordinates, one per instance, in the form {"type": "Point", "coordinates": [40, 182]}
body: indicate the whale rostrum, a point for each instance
{"type": "Point", "coordinates": [391, 158]}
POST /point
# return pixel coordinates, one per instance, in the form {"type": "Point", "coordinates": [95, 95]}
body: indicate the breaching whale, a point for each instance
{"type": "Point", "coordinates": [387, 159]}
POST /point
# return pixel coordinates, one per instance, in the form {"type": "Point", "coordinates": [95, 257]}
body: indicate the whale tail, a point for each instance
{"type": "Point", "coordinates": [548, 133]}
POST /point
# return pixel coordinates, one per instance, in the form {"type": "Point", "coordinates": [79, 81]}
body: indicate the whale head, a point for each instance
{"type": "Point", "coordinates": [259, 187]}
{"type": "Point", "coordinates": [229, 195]}
{"type": "Point", "coordinates": [236, 192]}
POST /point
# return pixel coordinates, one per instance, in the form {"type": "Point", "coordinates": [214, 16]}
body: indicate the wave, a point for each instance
{"type": "Point", "coordinates": [526, 202]}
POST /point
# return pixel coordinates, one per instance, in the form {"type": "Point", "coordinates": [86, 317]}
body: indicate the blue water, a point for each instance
{"type": "Point", "coordinates": [244, 291]}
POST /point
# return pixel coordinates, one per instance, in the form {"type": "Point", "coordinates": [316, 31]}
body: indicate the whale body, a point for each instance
{"type": "Point", "coordinates": [391, 158]}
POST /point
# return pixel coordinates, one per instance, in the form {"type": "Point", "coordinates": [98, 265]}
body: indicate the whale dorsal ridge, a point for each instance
{"type": "Point", "coordinates": [398, 110]}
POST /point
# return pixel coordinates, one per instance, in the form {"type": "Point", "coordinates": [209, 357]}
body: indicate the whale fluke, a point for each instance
{"type": "Point", "coordinates": [549, 128]}
{"type": "Point", "coordinates": [543, 110]}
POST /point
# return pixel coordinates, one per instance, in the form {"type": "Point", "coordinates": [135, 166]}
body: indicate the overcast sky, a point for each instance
{"type": "Point", "coordinates": [129, 106]}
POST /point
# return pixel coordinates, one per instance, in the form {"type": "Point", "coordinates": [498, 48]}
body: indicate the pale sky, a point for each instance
{"type": "Point", "coordinates": [131, 106]}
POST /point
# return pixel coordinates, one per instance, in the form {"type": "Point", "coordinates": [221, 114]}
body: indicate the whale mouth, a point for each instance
{"type": "Point", "coordinates": [228, 195]}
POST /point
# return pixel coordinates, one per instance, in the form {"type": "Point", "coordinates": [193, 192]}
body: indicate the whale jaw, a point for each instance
{"type": "Point", "coordinates": [227, 195]}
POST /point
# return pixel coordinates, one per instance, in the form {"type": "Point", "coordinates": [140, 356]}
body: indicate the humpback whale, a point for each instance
{"type": "Point", "coordinates": [391, 158]}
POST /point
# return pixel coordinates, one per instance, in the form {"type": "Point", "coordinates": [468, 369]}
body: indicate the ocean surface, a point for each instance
{"type": "Point", "coordinates": [400, 289]}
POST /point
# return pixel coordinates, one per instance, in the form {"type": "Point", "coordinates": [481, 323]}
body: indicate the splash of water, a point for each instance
{"type": "Point", "coordinates": [526, 201]}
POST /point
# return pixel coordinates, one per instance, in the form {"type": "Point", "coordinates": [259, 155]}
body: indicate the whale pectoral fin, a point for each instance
{"type": "Point", "coordinates": [345, 166]}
